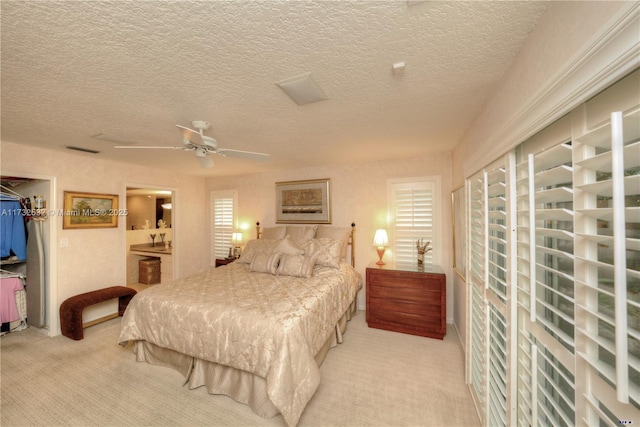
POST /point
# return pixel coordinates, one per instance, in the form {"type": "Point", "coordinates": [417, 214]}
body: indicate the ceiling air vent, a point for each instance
{"type": "Point", "coordinates": [302, 89]}
{"type": "Point", "coordinates": [84, 150]}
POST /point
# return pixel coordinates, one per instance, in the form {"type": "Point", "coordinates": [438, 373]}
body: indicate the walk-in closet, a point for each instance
{"type": "Point", "coordinates": [24, 284]}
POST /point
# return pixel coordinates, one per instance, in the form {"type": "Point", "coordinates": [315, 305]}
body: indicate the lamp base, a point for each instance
{"type": "Point", "coordinates": [380, 255]}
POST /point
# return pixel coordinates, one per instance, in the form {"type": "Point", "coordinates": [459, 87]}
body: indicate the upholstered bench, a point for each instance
{"type": "Point", "coordinates": [71, 309]}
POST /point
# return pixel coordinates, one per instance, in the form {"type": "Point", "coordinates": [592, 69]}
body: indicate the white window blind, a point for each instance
{"type": "Point", "coordinates": [575, 278]}
{"type": "Point", "coordinates": [492, 311]}
{"type": "Point", "coordinates": [609, 260]}
{"type": "Point", "coordinates": [545, 276]}
{"type": "Point", "coordinates": [414, 209]}
{"type": "Point", "coordinates": [476, 295]}
{"type": "Point", "coordinates": [223, 208]}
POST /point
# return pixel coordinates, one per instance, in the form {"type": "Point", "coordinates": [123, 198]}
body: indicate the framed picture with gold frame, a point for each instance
{"type": "Point", "coordinates": [305, 202]}
{"type": "Point", "coordinates": [90, 210]}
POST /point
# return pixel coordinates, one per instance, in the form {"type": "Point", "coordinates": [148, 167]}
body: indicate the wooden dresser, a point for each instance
{"type": "Point", "coordinates": [407, 298]}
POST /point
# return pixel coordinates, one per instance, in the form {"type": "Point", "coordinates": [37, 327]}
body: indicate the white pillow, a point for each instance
{"type": "Point", "coordinates": [286, 246]}
{"type": "Point", "coordinates": [256, 246]}
{"type": "Point", "coordinates": [274, 233]}
{"type": "Point", "coordinates": [327, 251]}
{"type": "Point", "coordinates": [338, 233]}
{"type": "Point", "coordinates": [296, 266]}
{"type": "Point", "coordinates": [265, 263]}
{"type": "Point", "coordinates": [306, 233]}
{"type": "Point", "coordinates": [303, 244]}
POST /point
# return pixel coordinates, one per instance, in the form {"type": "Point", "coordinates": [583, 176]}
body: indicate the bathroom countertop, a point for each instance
{"type": "Point", "coordinates": [146, 247]}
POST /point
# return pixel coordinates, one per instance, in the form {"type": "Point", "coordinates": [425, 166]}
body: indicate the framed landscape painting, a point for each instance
{"type": "Point", "coordinates": [305, 202]}
{"type": "Point", "coordinates": [90, 210]}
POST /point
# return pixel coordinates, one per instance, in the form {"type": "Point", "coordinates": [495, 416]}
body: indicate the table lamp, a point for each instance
{"type": "Point", "coordinates": [380, 241]}
{"type": "Point", "coordinates": [236, 239]}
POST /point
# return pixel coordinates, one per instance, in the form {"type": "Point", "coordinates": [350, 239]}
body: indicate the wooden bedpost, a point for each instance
{"type": "Point", "coordinates": [258, 230]}
{"type": "Point", "coordinates": [353, 244]}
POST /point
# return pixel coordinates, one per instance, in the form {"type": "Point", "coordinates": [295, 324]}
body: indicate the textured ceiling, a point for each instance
{"type": "Point", "coordinates": [135, 69]}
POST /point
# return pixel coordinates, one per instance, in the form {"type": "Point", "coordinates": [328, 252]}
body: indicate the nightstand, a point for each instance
{"type": "Point", "coordinates": [407, 298]}
{"type": "Point", "coordinates": [223, 261]}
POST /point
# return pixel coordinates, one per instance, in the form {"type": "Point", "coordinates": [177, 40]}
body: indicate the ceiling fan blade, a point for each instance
{"type": "Point", "coordinates": [149, 146]}
{"type": "Point", "coordinates": [206, 162]}
{"type": "Point", "coordinates": [249, 155]}
{"type": "Point", "coordinates": [190, 134]}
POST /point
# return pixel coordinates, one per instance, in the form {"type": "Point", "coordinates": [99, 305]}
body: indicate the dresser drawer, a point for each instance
{"type": "Point", "coordinates": [418, 321]}
{"type": "Point", "coordinates": [401, 291]}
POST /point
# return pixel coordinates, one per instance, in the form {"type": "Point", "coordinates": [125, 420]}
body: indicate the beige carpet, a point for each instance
{"type": "Point", "coordinates": [375, 378]}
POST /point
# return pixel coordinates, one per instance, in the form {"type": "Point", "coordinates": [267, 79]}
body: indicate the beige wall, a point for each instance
{"type": "Point", "coordinates": [358, 194]}
{"type": "Point", "coordinates": [95, 258]}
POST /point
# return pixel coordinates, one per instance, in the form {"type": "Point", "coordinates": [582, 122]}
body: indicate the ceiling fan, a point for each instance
{"type": "Point", "coordinates": [202, 145]}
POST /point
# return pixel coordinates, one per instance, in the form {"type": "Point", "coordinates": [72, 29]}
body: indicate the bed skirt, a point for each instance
{"type": "Point", "coordinates": [242, 386]}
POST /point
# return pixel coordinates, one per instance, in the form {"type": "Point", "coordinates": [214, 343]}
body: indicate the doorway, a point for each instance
{"type": "Point", "coordinates": [150, 234]}
{"type": "Point", "coordinates": [39, 267]}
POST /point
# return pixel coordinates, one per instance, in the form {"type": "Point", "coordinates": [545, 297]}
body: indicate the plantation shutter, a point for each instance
{"type": "Point", "coordinates": [579, 273]}
{"type": "Point", "coordinates": [476, 284]}
{"type": "Point", "coordinates": [608, 277]}
{"type": "Point", "coordinates": [413, 210]}
{"type": "Point", "coordinates": [224, 220]}
{"type": "Point", "coordinates": [559, 235]}
{"type": "Point", "coordinates": [546, 282]}
{"type": "Point", "coordinates": [493, 308]}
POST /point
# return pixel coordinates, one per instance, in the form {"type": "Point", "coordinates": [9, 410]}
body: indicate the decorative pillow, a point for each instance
{"type": "Point", "coordinates": [286, 246]}
{"type": "Point", "coordinates": [306, 233]}
{"type": "Point", "coordinates": [338, 233]}
{"type": "Point", "coordinates": [296, 266]}
{"type": "Point", "coordinates": [327, 251]}
{"type": "Point", "coordinates": [265, 263]}
{"type": "Point", "coordinates": [256, 246]}
{"type": "Point", "coordinates": [274, 233]}
{"type": "Point", "coordinates": [303, 244]}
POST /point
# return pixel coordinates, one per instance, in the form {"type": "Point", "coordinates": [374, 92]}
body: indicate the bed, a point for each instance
{"type": "Point", "coordinates": [256, 329]}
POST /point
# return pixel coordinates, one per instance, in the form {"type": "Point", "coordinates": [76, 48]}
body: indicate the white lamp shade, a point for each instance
{"type": "Point", "coordinates": [381, 238]}
{"type": "Point", "coordinates": [236, 237]}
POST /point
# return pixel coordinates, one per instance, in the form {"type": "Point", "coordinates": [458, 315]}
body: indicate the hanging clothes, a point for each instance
{"type": "Point", "coordinates": [9, 286]}
{"type": "Point", "coordinates": [13, 237]}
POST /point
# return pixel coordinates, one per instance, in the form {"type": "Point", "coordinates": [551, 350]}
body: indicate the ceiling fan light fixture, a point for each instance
{"type": "Point", "coordinates": [201, 152]}
{"type": "Point", "coordinates": [206, 162]}
{"type": "Point", "coordinates": [209, 142]}
{"type": "Point", "coordinates": [302, 89]}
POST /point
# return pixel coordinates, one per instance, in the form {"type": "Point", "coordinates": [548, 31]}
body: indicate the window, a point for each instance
{"type": "Point", "coordinates": [223, 210]}
{"type": "Point", "coordinates": [554, 272]}
{"type": "Point", "coordinates": [492, 308]}
{"type": "Point", "coordinates": [414, 216]}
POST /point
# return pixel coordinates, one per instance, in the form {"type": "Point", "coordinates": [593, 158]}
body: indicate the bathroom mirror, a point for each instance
{"type": "Point", "coordinates": [147, 206]}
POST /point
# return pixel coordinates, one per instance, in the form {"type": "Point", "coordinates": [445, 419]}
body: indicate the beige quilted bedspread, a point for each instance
{"type": "Point", "coordinates": [269, 325]}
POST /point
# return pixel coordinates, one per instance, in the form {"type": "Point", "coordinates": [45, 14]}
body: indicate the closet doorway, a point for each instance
{"type": "Point", "coordinates": [37, 263]}
{"type": "Point", "coordinates": [150, 234]}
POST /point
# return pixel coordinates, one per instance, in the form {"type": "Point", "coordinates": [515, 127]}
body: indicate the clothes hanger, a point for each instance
{"type": "Point", "coordinates": [7, 274]}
